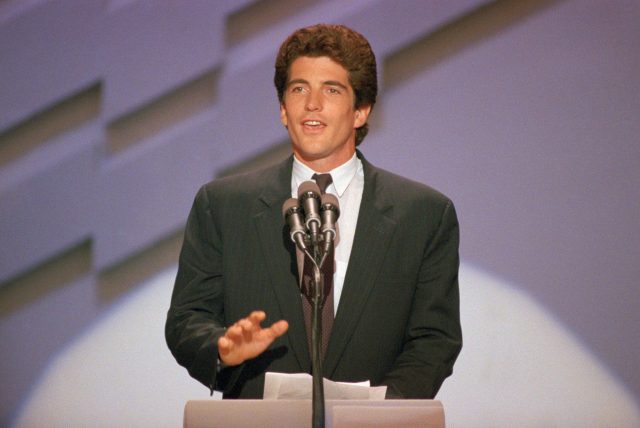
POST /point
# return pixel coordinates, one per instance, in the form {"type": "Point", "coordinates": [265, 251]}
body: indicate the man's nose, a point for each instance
{"type": "Point", "coordinates": [314, 101]}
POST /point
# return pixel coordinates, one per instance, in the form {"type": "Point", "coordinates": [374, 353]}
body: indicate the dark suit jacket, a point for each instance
{"type": "Point", "coordinates": [397, 322]}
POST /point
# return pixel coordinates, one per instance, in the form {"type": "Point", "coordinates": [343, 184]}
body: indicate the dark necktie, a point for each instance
{"type": "Point", "coordinates": [328, 268]}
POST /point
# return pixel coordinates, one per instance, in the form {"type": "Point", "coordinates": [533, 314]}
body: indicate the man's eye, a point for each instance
{"type": "Point", "coordinates": [333, 91]}
{"type": "Point", "coordinates": [297, 89]}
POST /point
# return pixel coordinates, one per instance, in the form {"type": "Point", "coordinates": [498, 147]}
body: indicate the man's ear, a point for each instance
{"type": "Point", "coordinates": [362, 114]}
{"type": "Point", "coordinates": [283, 114]}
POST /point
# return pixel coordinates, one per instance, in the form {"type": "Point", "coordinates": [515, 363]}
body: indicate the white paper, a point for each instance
{"type": "Point", "coordinates": [298, 386]}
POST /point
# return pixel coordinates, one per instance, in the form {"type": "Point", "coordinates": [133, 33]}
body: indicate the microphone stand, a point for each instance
{"type": "Point", "coordinates": [306, 234]}
{"type": "Point", "coordinates": [318, 416]}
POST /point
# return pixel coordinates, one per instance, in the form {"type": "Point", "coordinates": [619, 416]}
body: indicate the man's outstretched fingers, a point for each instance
{"type": "Point", "coordinates": [279, 328]}
{"type": "Point", "coordinates": [248, 328]}
{"type": "Point", "coordinates": [257, 316]}
{"type": "Point", "coordinates": [234, 332]}
{"type": "Point", "coordinates": [224, 345]}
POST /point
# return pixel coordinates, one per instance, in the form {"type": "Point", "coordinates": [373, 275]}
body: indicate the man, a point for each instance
{"type": "Point", "coordinates": [395, 287]}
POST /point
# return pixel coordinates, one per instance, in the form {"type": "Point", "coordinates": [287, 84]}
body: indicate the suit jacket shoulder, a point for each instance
{"type": "Point", "coordinates": [250, 184]}
{"type": "Point", "coordinates": [399, 196]}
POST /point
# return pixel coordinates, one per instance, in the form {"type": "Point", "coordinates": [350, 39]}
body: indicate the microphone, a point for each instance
{"type": "Point", "coordinates": [309, 196]}
{"type": "Point", "coordinates": [329, 211]}
{"type": "Point", "coordinates": [293, 215]}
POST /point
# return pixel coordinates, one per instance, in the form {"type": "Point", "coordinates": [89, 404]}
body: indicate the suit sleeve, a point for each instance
{"type": "Point", "coordinates": [433, 337]}
{"type": "Point", "coordinates": [195, 319]}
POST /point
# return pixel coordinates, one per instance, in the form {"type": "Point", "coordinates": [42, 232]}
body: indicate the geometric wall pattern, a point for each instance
{"type": "Point", "coordinates": [137, 52]}
{"type": "Point", "coordinates": [113, 113]}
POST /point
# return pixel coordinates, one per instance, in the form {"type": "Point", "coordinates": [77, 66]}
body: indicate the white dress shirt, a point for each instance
{"type": "Point", "coordinates": [347, 186]}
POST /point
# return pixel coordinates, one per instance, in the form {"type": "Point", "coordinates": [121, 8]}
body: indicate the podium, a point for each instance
{"type": "Point", "coordinates": [297, 413]}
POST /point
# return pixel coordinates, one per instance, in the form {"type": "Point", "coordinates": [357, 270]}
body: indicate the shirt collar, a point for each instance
{"type": "Point", "coordinates": [341, 175]}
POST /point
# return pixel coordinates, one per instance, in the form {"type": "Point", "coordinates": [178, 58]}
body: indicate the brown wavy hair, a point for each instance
{"type": "Point", "coordinates": [344, 46]}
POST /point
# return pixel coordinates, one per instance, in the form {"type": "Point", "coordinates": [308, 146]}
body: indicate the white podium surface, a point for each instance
{"type": "Point", "coordinates": [297, 413]}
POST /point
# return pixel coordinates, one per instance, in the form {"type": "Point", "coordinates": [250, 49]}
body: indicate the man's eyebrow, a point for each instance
{"type": "Point", "coordinates": [326, 82]}
{"type": "Point", "coordinates": [297, 81]}
{"type": "Point", "coordinates": [335, 83]}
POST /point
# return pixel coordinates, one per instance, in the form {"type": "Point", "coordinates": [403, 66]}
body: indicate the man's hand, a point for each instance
{"type": "Point", "coordinates": [246, 339]}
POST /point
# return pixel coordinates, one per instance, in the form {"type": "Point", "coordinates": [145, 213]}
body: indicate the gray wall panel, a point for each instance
{"type": "Point", "coordinates": [37, 334]}
{"type": "Point", "coordinates": [47, 53]}
{"type": "Point", "coordinates": [50, 209]}
{"type": "Point", "coordinates": [390, 28]}
{"type": "Point", "coordinates": [147, 191]}
{"type": "Point", "coordinates": [249, 99]}
{"type": "Point", "coordinates": [152, 47]}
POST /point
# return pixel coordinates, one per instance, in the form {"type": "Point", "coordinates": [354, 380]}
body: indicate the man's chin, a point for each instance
{"type": "Point", "coordinates": [311, 154]}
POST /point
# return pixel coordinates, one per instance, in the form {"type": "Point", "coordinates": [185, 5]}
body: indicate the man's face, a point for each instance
{"type": "Point", "coordinates": [318, 111]}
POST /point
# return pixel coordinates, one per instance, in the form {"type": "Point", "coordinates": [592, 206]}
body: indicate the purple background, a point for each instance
{"type": "Point", "coordinates": [531, 129]}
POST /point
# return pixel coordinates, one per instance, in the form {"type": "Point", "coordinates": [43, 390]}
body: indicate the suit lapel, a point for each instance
{"type": "Point", "coordinates": [278, 251]}
{"type": "Point", "coordinates": [371, 241]}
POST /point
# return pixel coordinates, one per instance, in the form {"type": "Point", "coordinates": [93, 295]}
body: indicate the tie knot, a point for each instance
{"type": "Point", "coordinates": [323, 180]}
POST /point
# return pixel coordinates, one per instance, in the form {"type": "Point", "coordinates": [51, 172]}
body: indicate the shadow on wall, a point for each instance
{"type": "Point", "coordinates": [518, 367]}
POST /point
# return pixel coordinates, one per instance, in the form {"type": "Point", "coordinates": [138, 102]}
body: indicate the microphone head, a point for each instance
{"type": "Point", "coordinates": [292, 213]}
{"type": "Point", "coordinates": [330, 202]}
{"type": "Point", "coordinates": [308, 189]}
{"type": "Point", "coordinates": [309, 196]}
{"type": "Point", "coordinates": [329, 213]}
{"type": "Point", "coordinates": [288, 205]}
